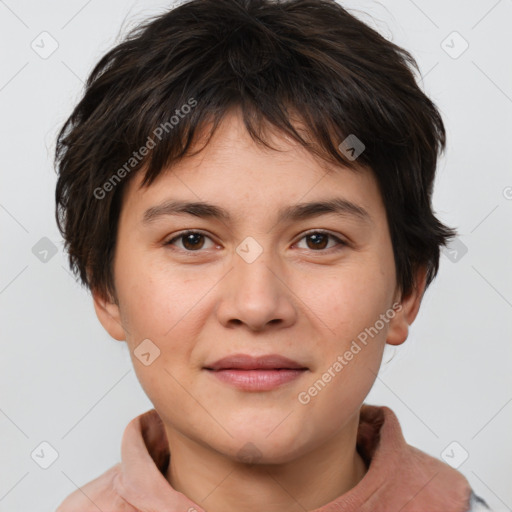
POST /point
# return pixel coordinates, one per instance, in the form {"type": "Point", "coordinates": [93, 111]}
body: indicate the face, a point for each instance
{"type": "Point", "coordinates": [305, 286]}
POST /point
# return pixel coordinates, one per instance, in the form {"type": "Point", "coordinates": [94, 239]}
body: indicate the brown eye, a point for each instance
{"type": "Point", "coordinates": [319, 240]}
{"type": "Point", "coordinates": [191, 241]}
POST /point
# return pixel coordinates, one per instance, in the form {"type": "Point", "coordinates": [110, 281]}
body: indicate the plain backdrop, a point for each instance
{"type": "Point", "coordinates": [65, 383]}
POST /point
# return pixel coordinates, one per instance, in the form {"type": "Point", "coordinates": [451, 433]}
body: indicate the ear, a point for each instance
{"type": "Point", "coordinates": [406, 313]}
{"type": "Point", "coordinates": [107, 311]}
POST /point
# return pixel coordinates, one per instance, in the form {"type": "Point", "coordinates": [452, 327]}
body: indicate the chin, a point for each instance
{"type": "Point", "coordinates": [258, 447]}
{"type": "Point", "coordinates": [255, 454]}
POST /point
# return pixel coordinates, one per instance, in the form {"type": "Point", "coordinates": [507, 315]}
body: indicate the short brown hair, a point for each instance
{"type": "Point", "coordinates": [272, 60]}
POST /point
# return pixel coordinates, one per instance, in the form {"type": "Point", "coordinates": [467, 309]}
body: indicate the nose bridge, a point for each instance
{"type": "Point", "coordinates": [255, 269]}
{"type": "Point", "coordinates": [257, 293]}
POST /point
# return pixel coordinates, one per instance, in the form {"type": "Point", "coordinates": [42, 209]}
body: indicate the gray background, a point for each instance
{"type": "Point", "coordinates": [64, 381]}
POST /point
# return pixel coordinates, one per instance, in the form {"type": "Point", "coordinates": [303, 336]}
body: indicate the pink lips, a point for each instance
{"type": "Point", "coordinates": [250, 373]}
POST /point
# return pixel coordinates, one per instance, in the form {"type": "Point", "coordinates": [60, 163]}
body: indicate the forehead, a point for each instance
{"type": "Point", "coordinates": [233, 169]}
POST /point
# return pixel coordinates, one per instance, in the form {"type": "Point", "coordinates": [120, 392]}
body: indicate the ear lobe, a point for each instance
{"type": "Point", "coordinates": [408, 310]}
{"type": "Point", "coordinates": [109, 316]}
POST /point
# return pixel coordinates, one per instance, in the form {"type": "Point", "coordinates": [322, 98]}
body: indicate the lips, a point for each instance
{"type": "Point", "coordinates": [256, 374]}
{"type": "Point", "coordinates": [247, 362]}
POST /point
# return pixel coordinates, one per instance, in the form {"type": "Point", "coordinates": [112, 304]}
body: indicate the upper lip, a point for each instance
{"type": "Point", "coordinates": [247, 362]}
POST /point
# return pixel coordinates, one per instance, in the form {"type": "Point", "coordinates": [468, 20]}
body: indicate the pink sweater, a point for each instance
{"type": "Point", "coordinates": [399, 478]}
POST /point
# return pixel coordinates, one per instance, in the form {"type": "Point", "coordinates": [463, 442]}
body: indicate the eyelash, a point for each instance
{"type": "Point", "coordinates": [340, 242]}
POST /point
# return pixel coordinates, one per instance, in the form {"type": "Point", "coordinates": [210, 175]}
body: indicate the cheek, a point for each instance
{"type": "Point", "coordinates": [348, 300]}
{"type": "Point", "coordinates": [157, 300]}
{"type": "Point", "coordinates": [348, 362]}
{"type": "Point", "coordinates": [163, 307]}
{"type": "Point", "coordinates": [348, 313]}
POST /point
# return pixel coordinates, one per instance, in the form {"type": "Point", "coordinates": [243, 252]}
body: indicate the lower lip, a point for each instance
{"type": "Point", "coordinates": [257, 380]}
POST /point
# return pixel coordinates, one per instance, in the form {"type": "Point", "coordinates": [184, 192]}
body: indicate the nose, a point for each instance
{"type": "Point", "coordinates": [256, 294]}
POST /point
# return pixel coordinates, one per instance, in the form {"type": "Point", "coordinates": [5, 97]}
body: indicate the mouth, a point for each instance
{"type": "Point", "coordinates": [262, 373]}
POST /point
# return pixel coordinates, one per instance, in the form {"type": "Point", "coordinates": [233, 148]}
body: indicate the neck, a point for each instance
{"type": "Point", "coordinates": [222, 484]}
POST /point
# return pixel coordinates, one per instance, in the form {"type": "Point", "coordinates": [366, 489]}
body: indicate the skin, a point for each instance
{"type": "Point", "coordinates": [296, 300]}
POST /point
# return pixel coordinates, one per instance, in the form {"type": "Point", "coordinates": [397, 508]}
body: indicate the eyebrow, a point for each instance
{"type": "Point", "coordinates": [297, 212]}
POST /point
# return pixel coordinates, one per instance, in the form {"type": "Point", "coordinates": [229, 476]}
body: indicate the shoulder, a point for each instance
{"type": "Point", "coordinates": [99, 494]}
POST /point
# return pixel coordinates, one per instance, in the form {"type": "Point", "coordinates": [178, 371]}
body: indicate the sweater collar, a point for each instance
{"type": "Point", "coordinates": [399, 476]}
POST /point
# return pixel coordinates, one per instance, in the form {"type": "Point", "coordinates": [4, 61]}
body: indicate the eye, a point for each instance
{"type": "Point", "coordinates": [194, 241]}
{"type": "Point", "coordinates": [319, 240]}
{"type": "Point", "coordinates": [191, 241]}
